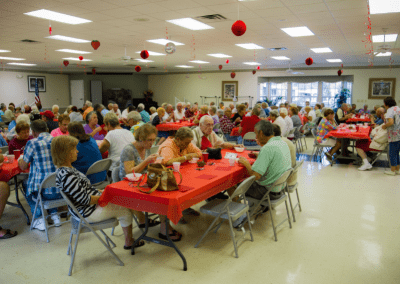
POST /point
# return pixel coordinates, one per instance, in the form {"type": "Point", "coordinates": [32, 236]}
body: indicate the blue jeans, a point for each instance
{"type": "Point", "coordinates": [229, 137]}
{"type": "Point", "coordinates": [247, 142]}
{"type": "Point", "coordinates": [164, 134]}
{"type": "Point", "coordinates": [394, 151]}
{"type": "Point", "coordinates": [32, 203]}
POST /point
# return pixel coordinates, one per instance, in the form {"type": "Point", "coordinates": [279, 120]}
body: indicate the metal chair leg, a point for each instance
{"type": "Point", "coordinates": [298, 199]}
{"type": "Point", "coordinates": [74, 250]}
{"type": "Point", "coordinates": [272, 219]}
{"type": "Point", "coordinates": [288, 215]}
{"type": "Point", "coordinates": [233, 235]}
{"type": "Point", "coordinates": [207, 231]}
{"type": "Point", "coordinates": [291, 205]}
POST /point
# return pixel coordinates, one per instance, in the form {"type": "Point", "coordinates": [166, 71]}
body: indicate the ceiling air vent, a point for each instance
{"type": "Point", "coordinates": [212, 18]}
{"type": "Point", "coordinates": [277, 48]}
{"type": "Point", "coordinates": [29, 41]}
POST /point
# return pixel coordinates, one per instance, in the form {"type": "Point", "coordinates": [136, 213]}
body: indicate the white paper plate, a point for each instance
{"type": "Point", "coordinates": [133, 178]}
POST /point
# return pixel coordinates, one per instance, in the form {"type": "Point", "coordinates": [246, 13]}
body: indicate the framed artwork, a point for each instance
{"type": "Point", "coordinates": [41, 83]}
{"type": "Point", "coordinates": [229, 90]}
{"type": "Point", "coordinates": [380, 88]}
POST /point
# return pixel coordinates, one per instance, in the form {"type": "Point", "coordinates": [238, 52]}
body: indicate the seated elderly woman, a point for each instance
{"type": "Point", "coordinates": [226, 124]}
{"type": "Point", "coordinates": [82, 194]}
{"type": "Point", "coordinates": [92, 128]}
{"type": "Point", "coordinates": [328, 124]}
{"type": "Point", "coordinates": [153, 113]}
{"type": "Point", "coordinates": [203, 112]}
{"type": "Point", "coordinates": [288, 121]}
{"type": "Point", "coordinates": [241, 111]}
{"type": "Point", "coordinates": [134, 120]}
{"type": "Point", "coordinates": [310, 114]}
{"type": "Point", "coordinates": [75, 115]}
{"type": "Point", "coordinates": [19, 141]}
{"type": "Point", "coordinates": [247, 125]}
{"type": "Point", "coordinates": [22, 117]}
{"type": "Point", "coordinates": [55, 109]}
{"type": "Point", "coordinates": [88, 152]}
{"type": "Point", "coordinates": [317, 109]}
{"type": "Point", "coordinates": [278, 120]}
{"type": "Point", "coordinates": [160, 118]}
{"type": "Point", "coordinates": [63, 121]}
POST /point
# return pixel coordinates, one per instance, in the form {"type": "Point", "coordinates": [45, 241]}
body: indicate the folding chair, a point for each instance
{"type": "Point", "coordinates": [303, 135]}
{"type": "Point", "coordinates": [265, 201]}
{"type": "Point", "coordinates": [49, 181]}
{"type": "Point", "coordinates": [318, 147]}
{"type": "Point", "coordinates": [100, 166]}
{"type": "Point", "coordinates": [291, 188]}
{"type": "Point", "coordinates": [291, 132]}
{"type": "Point", "coordinates": [231, 211]}
{"type": "Point", "coordinates": [251, 136]}
{"type": "Point", "coordinates": [379, 153]}
{"type": "Point", "coordinates": [80, 225]}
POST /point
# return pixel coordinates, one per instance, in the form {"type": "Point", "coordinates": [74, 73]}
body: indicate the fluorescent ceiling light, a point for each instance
{"type": "Point", "coordinates": [11, 58]}
{"type": "Point", "coordinates": [164, 41]}
{"type": "Point", "coordinates": [249, 46]}
{"type": "Point", "coordinates": [334, 60]}
{"type": "Point", "coordinates": [152, 53]}
{"type": "Point", "coordinates": [384, 38]}
{"type": "Point", "coordinates": [280, 57]}
{"type": "Point", "coordinates": [3, 50]}
{"type": "Point", "coordinates": [219, 55]}
{"type": "Point", "coordinates": [191, 24]}
{"type": "Point", "coordinates": [199, 61]}
{"type": "Point", "coordinates": [184, 66]}
{"type": "Point", "coordinates": [251, 63]}
{"type": "Point", "coordinates": [298, 31]}
{"type": "Point", "coordinates": [58, 17]}
{"type": "Point", "coordinates": [77, 59]}
{"type": "Point", "coordinates": [384, 6]}
{"type": "Point", "coordinates": [67, 38]}
{"type": "Point", "coordinates": [144, 60]}
{"type": "Point", "coordinates": [73, 51]}
{"type": "Point", "coordinates": [321, 50]}
{"type": "Point", "coordinates": [21, 64]}
{"type": "Point", "coordinates": [384, 54]}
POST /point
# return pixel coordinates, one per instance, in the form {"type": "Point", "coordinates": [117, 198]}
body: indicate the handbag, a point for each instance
{"type": "Point", "coordinates": [214, 153]}
{"type": "Point", "coordinates": [161, 178]}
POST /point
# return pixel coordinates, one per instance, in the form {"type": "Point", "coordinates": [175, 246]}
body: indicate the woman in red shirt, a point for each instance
{"type": "Point", "coordinates": [20, 140]}
{"type": "Point", "coordinates": [203, 112]}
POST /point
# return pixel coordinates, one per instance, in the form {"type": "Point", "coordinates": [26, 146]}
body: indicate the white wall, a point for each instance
{"type": "Point", "coordinates": [167, 87]}
{"type": "Point", "coordinates": [13, 89]}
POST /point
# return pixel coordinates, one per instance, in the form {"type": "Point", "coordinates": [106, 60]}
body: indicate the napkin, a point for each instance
{"type": "Point", "coordinates": [206, 176]}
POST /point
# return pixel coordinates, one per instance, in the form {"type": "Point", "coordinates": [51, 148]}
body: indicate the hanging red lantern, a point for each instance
{"type": "Point", "coordinates": [220, 67]}
{"type": "Point", "coordinates": [258, 67]}
{"type": "Point", "coordinates": [227, 61]}
{"type": "Point", "coordinates": [254, 72]}
{"type": "Point", "coordinates": [238, 28]}
{"type": "Point", "coordinates": [95, 44]}
{"type": "Point", "coordinates": [339, 72]}
{"type": "Point", "coordinates": [66, 63]}
{"type": "Point", "coordinates": [93, 71]}
{"type": "Point", "coordinates": [144, 54]}
{"type": "Point", "coordinates": [80, 58]}
{"type": "Point", "coordinates": [309, 61]}
{"type": "Point", "coordinates": [138, 68]}
{"type": "Point", "coordinates": [233, 74]}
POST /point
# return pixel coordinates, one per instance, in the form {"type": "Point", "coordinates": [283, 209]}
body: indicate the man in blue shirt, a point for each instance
{"type": "Point", "coordinates": [380, 114]}
{"type": "Point", "coordinates": [144, 114]}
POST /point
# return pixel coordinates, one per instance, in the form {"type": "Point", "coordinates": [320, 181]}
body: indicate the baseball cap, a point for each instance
{"type": "Point", "coordinates": [49, 114]}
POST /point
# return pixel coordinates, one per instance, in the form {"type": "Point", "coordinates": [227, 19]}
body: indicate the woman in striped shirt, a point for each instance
{"type": "Point", "coordinates": [81, 193]}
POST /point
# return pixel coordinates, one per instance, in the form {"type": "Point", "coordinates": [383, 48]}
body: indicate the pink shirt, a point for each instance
{"type": "Point", "coordinates": [57, 132]}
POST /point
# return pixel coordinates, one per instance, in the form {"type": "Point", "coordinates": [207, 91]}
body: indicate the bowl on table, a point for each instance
{"type": "Point", "coordinates": [193, 160]}
{"type": "Point", "coordinates": [133, 176]}
{"type": "Point", "coordinates": [239, 149]}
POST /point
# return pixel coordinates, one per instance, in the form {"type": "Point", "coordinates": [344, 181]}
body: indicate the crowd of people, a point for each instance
{"type": "Point", "coordinates": [69, 143]}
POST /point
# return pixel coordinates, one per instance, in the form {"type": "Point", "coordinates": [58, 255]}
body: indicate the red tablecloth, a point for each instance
{"type": "Point", "coordinates": [358, 120]}
{"type": "Point", "coordinates": [8, 171]}
{"type": "Point", "coordinates": [174, 125]}
{"type": "Point", "coordinates": [362, 133]}
{"type": "Point", "coordinates": [196, 187]}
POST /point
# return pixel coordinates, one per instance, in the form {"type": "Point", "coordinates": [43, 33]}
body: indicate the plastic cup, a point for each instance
{"type": "Point", "coordinates": [231, 162]}
{"type": "Point", "coordinates": [176, 166]}
{"type": "Point", "coordinates": [11, 158]}
{"type": "Point", "coordinates": [205, 157]}
{"type": "Point", "coordinates": [17, 153]}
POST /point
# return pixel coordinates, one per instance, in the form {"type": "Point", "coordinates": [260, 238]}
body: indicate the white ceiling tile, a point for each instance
{"type": "Point", "coordinates": [302, 2]}
{"type": "Point", "coordinates": [168, 15]}
{"type": "Point", "coordinates": [95, 5]}
{"type": "Point", "coordinates": [214, 2]}
{"type": "Point", "coordinates": [196, 12]}
{"type": "Point", "coordinates": [316, 8]}
{"type": "Point", "coordinates": [72, 10]}
{"type": "Point", "coordinates": [260, 5]}
{"type": "Point", "coordinates": [126, 3]}
{"type": "Point", "coordinates": [149, 8]}
{"type": "Point", "coordinates": [116, 23]}
{"type": "Point", "coordinates": [120, 13]}
{"type": "Point", "coordinates": [227, 8]}
{"type": "Point", "coordinates": [345, 5]}
{"type": "Point", "coordinates": [179, 4]}
{"type": "Point", "coordinates": [96, 17]}
{"type": "Point", "coordinates": [283, 13]}
{"type": "Point", "coordinates": [242, 16]}
{"type": "Point", "coordinates": [42, 4]}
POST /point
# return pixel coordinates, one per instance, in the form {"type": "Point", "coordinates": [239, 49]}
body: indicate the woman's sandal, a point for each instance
{"type": "Point", "coordinates": [138, 245]}
{"type": "Point", "coordinates": [152, 223]}
{"type": "Point", "coordinates": [174, 234]}
{"type": "Point", "coordinates": [8, 234]}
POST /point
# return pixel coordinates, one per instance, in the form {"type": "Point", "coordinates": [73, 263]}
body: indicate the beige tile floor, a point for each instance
{"type": "Point", "coordinates": [348, 232]}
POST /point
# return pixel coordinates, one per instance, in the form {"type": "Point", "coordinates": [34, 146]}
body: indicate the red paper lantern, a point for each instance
{"type": "Point", "coordinates": [80, 58]}
{"type": "Point", "coordinates": [254, 72]}
{"type": "Point", "coordinates": [233, 74]}
{"type": "Point", "coordinates": [93, 71]}
{"type": "Point", "coordinates": [309, 61]}
{"type": "Point", "coordinates": [95, 44]}
{"type": "Point", "coordinates": [258, 67]}
{"type": "Point", "coordinates": [138, 68]}
{"type": "Point", "coordinates": [50, 30]}
{"type": "Point", "coordinates": [220, 67]}
{"type": "Point", "coordinates": [238, 28]}
{"type": "Point", "coordinates": [144, 54]}
{"type": "Point", "coordinates": [66, 63]}
{"type": "Point", "coordinates": [339, 72]}
{"type": "Point", "coordinates": [227, 61]}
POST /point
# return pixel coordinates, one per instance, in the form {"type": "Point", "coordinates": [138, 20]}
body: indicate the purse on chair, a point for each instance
{"type": "Point", "coordinates": [161, 178]}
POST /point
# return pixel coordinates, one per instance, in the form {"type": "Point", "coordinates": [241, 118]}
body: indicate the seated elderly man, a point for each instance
{"type": "Point", "coordinates": [38, 154]}
{"type": "Point", "coordinates": [179, 113]}
{"type": "Point", "coordinates": [247, 125]}
{"type": "Point", "coordinates": [48, 117]}
{"type": "Point", "coordinates": [317, 110]}
{"type": "Point", "coordinates": [303, 110]}
{"type": "Point", "coordinates": [226, 124]}
{"type": "Point", "coordinates": [341, 115]}
{"type": "Point", "coordinates": [114, 110]}
{"type": "Point", "coordinates": [134, 120]}
{"type": "Point", "coordinates": [233, 109]}
{"type": "Point", "coordinates": [288, 121]}
{"type": "Point", "coordinates": [144, 114]}
{"type": "Point", "coordinates": [380, 117]}
{"type": "Point", "coordinates": [169, 115]}
{"type": "Point", "coordinates": [273, 160]}
{"type": "Point", "coordinates": [277, 119]}
{"type": "Point", "coordinates": [205, 137]}
{"type": "Point", "coordinates": [55, 109]}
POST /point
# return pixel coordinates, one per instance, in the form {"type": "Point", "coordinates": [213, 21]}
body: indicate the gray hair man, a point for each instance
{"type": "Point", "coordinates": [179, 113]}
{"type": "Point", "coordinates": [116, 111]}
{"type": "Point", "coordinates": [342, 114]}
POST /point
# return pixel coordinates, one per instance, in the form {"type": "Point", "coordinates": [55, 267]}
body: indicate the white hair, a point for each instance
{"type": "Point", "coordinates": [141, 105]}
{"type": "Point", "coordinates": [53, 107]}
{"type": "Point", "coordinates": [179, 104]}
{"type": "Point", "coordinates": [88, 103]}
{"type": "Point", "coordinates": [135, 116]}
{"type": "Point", "coordinates": [220, 112]}
{"type": "Point", "coordinates": [283, 110]}
{"type": "Point", "coordinates": [293, 105]}
{"type": "Point", "coordinates": [35, 108]}
{"type": "Point", "coordinates": [23, 117]}
{"type": "Point", "coordinates": [188, 104]}
{"type": "Point", "coordinates": [205, 117]}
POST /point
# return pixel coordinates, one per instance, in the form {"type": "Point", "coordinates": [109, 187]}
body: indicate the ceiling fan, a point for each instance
{"type": "Point", "coordinates": [385, 47]}
{"type": "Point", "coordinates": [290, 71]}
{"type": "Point", "coordinates": [126, 58]}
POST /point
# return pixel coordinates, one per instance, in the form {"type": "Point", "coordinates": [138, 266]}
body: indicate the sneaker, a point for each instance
{"type": "Point", "coordinates": [365, 167]}
{"type": "Point", "coordinates": [56, 219]}
{"type": "Point", "coordinates": [390, 173]}
{"type": "Point", "coordinates": [39, 224]}
{"type": "Point", "coordinates": [328, 156]}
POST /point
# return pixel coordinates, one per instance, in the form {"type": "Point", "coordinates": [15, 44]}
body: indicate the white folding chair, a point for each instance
{"type": "Point", "coordinates": [251, 136]}
{"type": "Point", "coordinates": [229, 210]}
{"type": "Point", "coordinates": [49, 181]}
{"type": "Point", "coordinates": [97, 167]}
{"type": "Point", "coordinates": [291, 188]}
{"type": "Point", "coordinates": [379, 153]}
{"type": "Point", "coordinates": [265, 201]}
{"type": "Point", "coordinates": [81, 225]}
{"type": "Point", "coordinates": [318, 147]}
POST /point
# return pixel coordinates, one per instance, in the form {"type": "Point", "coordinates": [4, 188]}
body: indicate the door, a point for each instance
{"type": "Point", "coordinates": [77, 93]}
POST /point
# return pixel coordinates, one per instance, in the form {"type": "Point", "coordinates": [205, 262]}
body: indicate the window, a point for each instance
{"type": "Point", "coordinates": [279, 90]}
{"type": "Point", "coordinates": [329, 91]}
{"type": "Point", "coordinates": [349, 85]}
{"type": "Point", "coordinates": [302, 92]}
{"type": "Point", "coordinates": [263, 91]}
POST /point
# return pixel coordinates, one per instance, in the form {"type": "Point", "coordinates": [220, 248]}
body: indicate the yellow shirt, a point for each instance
{"type": "Point", "coordinates": [89, 109]}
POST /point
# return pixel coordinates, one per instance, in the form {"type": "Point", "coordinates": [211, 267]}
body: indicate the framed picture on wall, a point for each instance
{"type": "Point", "coordinates": [229, 90]}
{"type": "Point", "coordinates": [380, 88]}
{"type": "Point", "coordinates": [41, 83]}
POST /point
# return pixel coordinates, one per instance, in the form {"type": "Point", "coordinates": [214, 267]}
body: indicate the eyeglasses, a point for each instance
{"type": "Point", "coordinates": [209, 125]}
